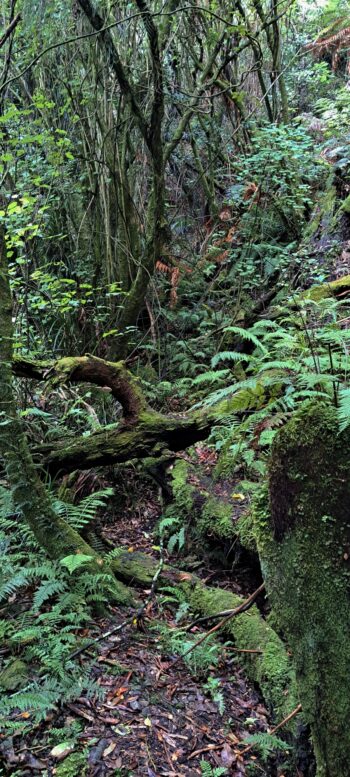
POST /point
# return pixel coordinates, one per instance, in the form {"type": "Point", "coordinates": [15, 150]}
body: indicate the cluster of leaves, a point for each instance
{"type": "Point", "coordinates": [299, 356]}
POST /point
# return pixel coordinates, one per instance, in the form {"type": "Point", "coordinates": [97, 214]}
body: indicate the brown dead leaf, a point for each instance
{"type": "Point", "coordinates": [109, 749]}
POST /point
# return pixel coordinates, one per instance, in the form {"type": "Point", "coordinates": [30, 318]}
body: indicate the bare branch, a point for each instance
{"type": "Point", "coordinates": [12, 26]}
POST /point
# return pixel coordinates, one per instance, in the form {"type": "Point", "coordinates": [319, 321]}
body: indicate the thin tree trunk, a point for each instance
{"type": "Point", "coordinates": [30, 497]}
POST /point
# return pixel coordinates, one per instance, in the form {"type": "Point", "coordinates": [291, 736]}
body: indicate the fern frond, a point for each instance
{"type": "Point", "coordinates": [210, 377]}
{"type": "Point", "coordinates": [47, 589]}
{"type": "Point", "coordinates": [343, 411]}
{"type": "Point", "coordinates": [232, 356]}
{"type": "Point", "coordinates": [80, 514]}
{"type": "Point", "coordinates": [246, 334]}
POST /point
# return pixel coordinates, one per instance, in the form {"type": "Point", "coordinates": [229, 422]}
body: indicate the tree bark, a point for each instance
{"type": "Point", "coordinates": [153, 435]}
{"type": "Point", "coordinates": [304, 544]}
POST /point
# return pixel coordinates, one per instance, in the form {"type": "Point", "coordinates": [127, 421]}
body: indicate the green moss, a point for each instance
{"type": "Point", "coordinates": [134, 566]}
{"type": "Point", "coordinates": [346, 204]}
{"type": "Point", "coordinates": [182, 490]}
{"type": "Point", "coordinates": [246, 531]}
{"type": "Point", "coordinates": [303, 534]}
{"type": "Point", "coordinates": [324, 214]}
{"type": "Point", "coordinates": [271, 669]}
{"type": "Point", "coordinates": [182, 507]}
{"type": "Point", "coordinates": [329, 289]}
{"type": "Point", "coordinates": [75, 765]}
{"type": "Point", "coordinates": [216, 519]}
{"type": "Point", "coordinates": [14, 675]}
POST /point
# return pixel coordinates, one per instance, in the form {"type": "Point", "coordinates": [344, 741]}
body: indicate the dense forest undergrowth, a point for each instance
{"type": "Point", "coordinates": [174, 393]}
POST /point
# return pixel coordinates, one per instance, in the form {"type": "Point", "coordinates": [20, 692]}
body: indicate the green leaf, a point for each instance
{"type": "Point", "coordinates": [75, 561]}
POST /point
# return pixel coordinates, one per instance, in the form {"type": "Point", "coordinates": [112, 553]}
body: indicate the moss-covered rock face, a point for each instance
{"type": "Point", "coordinates": [303, 533]}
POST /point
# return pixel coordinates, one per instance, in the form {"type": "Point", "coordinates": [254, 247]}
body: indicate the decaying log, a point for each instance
{"type": "Point", "coordinates": [271, 668]}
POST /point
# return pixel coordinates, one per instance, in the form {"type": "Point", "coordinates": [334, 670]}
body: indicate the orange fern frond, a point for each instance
{"type": "Point", "coordinates": [162, 267]}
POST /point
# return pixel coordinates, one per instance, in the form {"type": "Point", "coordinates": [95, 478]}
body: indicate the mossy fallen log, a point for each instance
{"type": "Point", "coordinates": [271, 669]}
{"type": "Point", "coordinates": [153, 434]}
{"type": "Point", "coordinates": [123, 385]}
{"type": "Point", "coordinates": [303, 533]}
{"type": "Point", "coordinates": [142, 433]}
{"type": "Point", "coordinates": [337, 288]}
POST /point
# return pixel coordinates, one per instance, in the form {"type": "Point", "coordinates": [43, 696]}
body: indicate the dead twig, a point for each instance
{"type": "Point", "coordinates": [277, 728]}
{"type": "Point", "coordinates": [228, 613]}
{"type": "Point", "coordinates": [207, 749]}
{"type": "Point", "coordinates": [242, 608]}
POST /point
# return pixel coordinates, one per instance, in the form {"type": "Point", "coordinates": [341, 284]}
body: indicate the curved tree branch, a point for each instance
{"type": "Point", "coordinates": [142, 433]}
{"type": "Point", "coordinates": [88, 369]}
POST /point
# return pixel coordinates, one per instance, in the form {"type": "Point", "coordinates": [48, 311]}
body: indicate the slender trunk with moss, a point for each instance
{"type": "Point", "coordinates": [154, 244]}
{"type": "Point", "coordinates": [303, 533]}
{"type": "Point", "coordinates": [257, 54]}
{"type": "Point", "coordinates": [150, 133]}
{"type": "Point", "coordinates": [30, 498]}
{"type": "Point", "coordinates": [273, 38]}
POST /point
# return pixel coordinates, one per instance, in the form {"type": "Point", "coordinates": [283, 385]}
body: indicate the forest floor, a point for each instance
{"type": "Point", "coordinates": [157, 715]}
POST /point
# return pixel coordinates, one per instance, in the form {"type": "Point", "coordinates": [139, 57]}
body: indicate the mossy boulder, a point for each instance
{"type": "Point", "coordinates": [14, 675]}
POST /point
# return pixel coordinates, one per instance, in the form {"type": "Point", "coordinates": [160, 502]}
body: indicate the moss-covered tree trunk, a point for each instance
{"type": "Point", "coordinates": [31, 500]}
{"type": "Point", "coordinates": [304, 544]}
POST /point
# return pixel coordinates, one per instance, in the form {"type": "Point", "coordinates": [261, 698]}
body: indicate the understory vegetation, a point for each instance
{"type": "Point", "coordinates": [174, 388]}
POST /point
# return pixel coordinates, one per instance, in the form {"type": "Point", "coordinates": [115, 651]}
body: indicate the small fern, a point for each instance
{"type": "Point", "coordinates": [229, 356]}
{"type": "Point", "coordinates": [267, 743]}
{"type": "Point", "coordinates": [211, 771]}
{"type": "Point", "coordinates": [78, 515]}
